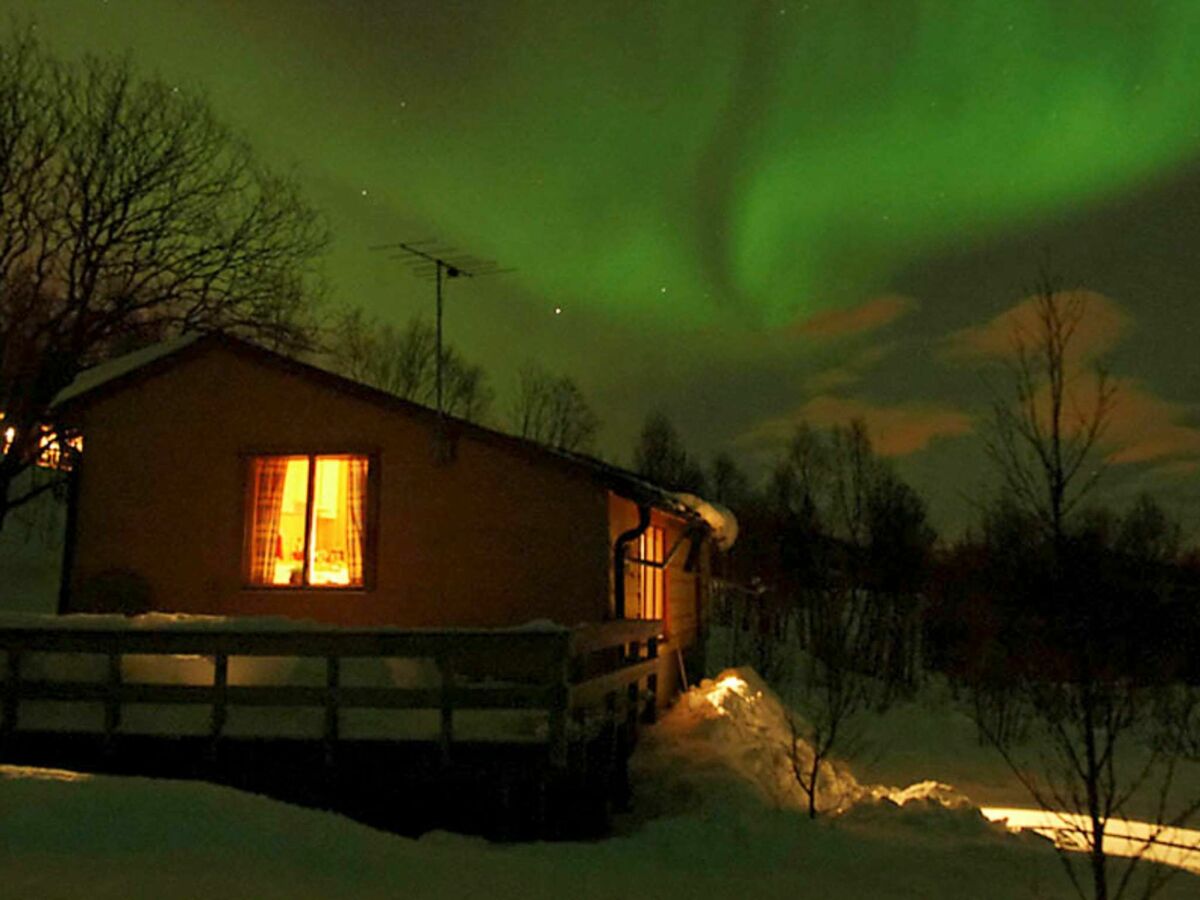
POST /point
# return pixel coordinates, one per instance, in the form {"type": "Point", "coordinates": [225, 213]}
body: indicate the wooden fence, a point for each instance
{"type": "Point", "coordinates": [604, 673]}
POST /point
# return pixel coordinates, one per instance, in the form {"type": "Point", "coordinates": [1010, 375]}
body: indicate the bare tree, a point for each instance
{"type": "Point", "coordinates": [854, 468]}
{"type": "Point", "coordinates": [128, 213]}
{"type": "Point", "coordinates": [552, 411]}
{"type": "Point", "coordinates": [403, 361]}
{"type": "Point", "coordinates": [1043, 439]}
{"type": "Point", "coordinates": [830, 692]}
{"type": "Point", "coordinates": [1090, 737]}
{"type": "Point", "coordinates": [855, 538]}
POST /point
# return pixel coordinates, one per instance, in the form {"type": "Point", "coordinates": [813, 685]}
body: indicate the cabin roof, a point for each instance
{"type": "Point", "coordinates": [117, 374]}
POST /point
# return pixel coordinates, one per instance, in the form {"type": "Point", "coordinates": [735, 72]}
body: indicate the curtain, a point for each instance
{"type": "Point", "coordinates": [652, 580]}
{"type": "Point", "coordinates": [356, 505]}
{"type": "Point", "coordinates": [269, 473]}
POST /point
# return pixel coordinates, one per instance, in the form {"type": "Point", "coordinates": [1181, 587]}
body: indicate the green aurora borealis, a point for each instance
{"type": "Point", "coordinates": [690, 181]}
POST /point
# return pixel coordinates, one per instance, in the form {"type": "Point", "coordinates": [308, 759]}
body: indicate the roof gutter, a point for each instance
{"type": "Point", "coordinates": [624, 538]}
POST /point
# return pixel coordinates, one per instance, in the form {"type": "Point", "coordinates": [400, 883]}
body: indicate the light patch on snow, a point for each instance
{"type": "Point", "coordinates": [1122, 837]}
{"type": "Point", "coordinates": [32, 772]}
{"type": "Point", "coordinates": [932, 791]}
{"type": "Point", "coordinates": [721, 520]}
{"type": "Point", "coordinates": [719, 693]}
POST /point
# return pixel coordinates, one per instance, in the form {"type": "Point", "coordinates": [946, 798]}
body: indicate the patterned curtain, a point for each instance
{"type": "Point", "coordinates": [356, 504]}
{"type": "Point", "coordinates": [269, 475]}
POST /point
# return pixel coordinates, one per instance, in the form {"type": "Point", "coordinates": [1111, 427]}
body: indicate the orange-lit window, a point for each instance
{"type": "Point", "coordinates": [307, 521]}
{"type": "Point", "coordinates": [652, 579]}
{"type": "Point", "coordinates": [54, 452]}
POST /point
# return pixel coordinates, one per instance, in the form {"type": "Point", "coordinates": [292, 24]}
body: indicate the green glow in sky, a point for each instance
{"type": "Point", "coordinates": [686, 179]}
{"type": "Point", "coordinates": [759, 161]}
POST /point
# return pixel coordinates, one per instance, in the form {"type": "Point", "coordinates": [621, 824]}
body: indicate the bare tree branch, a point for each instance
{"type": "Point", "coordinates": [128, 212]}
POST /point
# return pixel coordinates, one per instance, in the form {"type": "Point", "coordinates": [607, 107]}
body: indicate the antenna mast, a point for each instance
{"type": "Point", "coordinates": [429, 261]}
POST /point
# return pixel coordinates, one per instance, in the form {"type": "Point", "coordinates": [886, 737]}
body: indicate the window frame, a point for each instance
{"type": "Point", "coordinates": [370, 536]}
{"type": "Point", "coordinates": [653, 572]}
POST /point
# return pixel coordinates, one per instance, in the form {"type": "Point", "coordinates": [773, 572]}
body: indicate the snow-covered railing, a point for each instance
{"type": "Point", "coordinates": [613, 688]}
{"type": "Point", "coordinates": [554, 675]}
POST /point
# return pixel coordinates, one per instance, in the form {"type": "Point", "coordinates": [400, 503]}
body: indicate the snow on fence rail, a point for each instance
{"type": "Point", "coordinates": [227, 683]}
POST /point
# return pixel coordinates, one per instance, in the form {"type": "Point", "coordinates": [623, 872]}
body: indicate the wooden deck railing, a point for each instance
{"type": "Point", "coordinates": [570, 675]}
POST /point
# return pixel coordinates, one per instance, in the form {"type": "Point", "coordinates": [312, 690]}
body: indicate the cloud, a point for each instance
{"type": "Point", "coordinates": [1141, 426]}
{"type": "Point", "coordinates": [848, 373]}
{"type": "Point", "coordinates": [1102, 325]}
{"type": "Point", "coordinates": [1144, 427]}
{"type": "Point", "coordinates": [895, 430]}
{"type": "Point", "coordinates": [867, 316]}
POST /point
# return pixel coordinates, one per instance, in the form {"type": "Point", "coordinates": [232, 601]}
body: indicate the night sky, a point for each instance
{"type": "Point", "coordinates": [749, 214]}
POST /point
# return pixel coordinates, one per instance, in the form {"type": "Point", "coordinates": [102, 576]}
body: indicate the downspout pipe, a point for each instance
{"type": "Point", "coordinates": [624, 538]}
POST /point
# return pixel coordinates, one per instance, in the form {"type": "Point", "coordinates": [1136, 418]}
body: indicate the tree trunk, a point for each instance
{"type": "Point", "coordinates": [812, 793]}
{"type": "Point", "coordinates": [1098, 857]}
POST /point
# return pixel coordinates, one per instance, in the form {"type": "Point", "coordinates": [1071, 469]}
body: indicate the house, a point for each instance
{"type": "Point", "coordinates": [222, 478]}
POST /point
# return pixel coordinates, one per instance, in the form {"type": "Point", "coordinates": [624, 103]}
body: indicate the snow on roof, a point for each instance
{"type": "Point", "coordinates": [92, 378]}
{"type": "Point", "coordinates": [720, 519]}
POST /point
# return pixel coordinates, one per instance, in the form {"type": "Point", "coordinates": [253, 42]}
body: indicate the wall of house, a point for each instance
{"type": "Point", "coordinates": [493, 538]}
{"type": "Point", "coordinates": [685, 601]}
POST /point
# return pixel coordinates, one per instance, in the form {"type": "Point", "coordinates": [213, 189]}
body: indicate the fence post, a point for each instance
{"type": "Point", "coordinates": [634, 708]}
{"type": "Point", "coordinates": [446, 735]}
{"type": "Point", "coordinates": [219, 713]}
{"type": "Point", "coordinates": [112, 700]}
{"type": "Point", "coordinates": [560, 698]}
{"type": "Point", "coordinates": [652, 682]}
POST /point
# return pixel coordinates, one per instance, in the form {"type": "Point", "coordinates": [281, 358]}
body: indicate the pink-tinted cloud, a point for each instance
{"type": "Point", "coordinates": [895, 430]}
{"type": "Point", "coordinates": [1098, 330]}
{"type": "Point", "coordinates": [849, 372]}
{"type": "Point", "coordinates": [1144, 427]}
{"type": "Point", "coordinates": [866, 317]}
{"type": "Point", "coordinates": [1141, 427]}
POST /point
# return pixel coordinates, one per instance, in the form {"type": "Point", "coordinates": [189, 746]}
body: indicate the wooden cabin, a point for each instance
{"type": "Point", "coordinates": [220, 478]}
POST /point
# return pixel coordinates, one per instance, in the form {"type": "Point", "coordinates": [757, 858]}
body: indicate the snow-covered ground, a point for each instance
{"type": "Point", "coordinates": [717, 815]}
{"type": "Point", "coordinates": [31, 557]}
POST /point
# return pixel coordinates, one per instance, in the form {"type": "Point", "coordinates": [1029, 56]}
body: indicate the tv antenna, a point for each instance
{"type": "Point", "coordinates": [431, 262]}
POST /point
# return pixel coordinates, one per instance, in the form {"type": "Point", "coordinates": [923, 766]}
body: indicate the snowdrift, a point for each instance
{"type": "Point", "coordinates": [727, 743]}
{"type": "Point", "coordinates": [718, 815]}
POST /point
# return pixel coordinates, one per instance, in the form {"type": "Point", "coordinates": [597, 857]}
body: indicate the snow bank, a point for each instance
{"type": "Point", "coordinates": [724, 743]}
{"type": "Point", "coordinates": [108, 838]}
{"type": "Point", "coordinates": [729, 742]}
{"type": "Point", "coordinates": [721, 520]}
{"type": "Point", "coordinates": [726, 823]}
